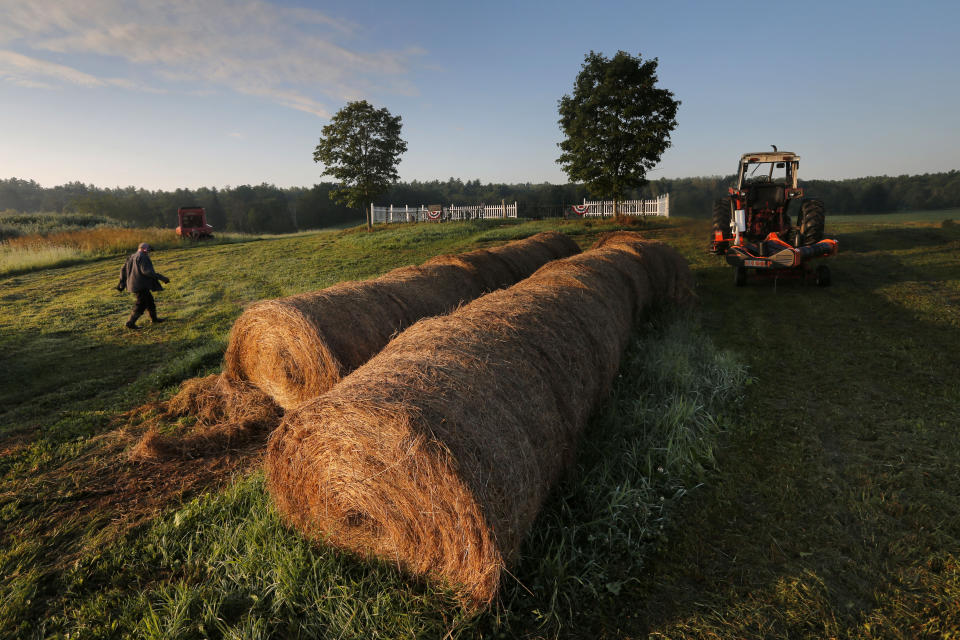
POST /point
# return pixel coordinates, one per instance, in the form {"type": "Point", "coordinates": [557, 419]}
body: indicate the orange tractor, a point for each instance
{"type": "Point", "coordinates": [193, 223]}
{"type": "Point", "coordinates": [752, 226]}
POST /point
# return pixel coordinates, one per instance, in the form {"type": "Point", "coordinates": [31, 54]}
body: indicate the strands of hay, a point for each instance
{"type": "Point", "coordinates": [659, 264]}
{"type": "Point", "coordinates": [229, 415]}
{"type": "Point", "coordinates": [296, 348]}
{"type": "Point", "coordinates": [438, 453]}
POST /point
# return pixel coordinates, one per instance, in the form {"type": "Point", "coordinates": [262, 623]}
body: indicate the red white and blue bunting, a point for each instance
{"type": "Point", "coordinates": [580, 209]}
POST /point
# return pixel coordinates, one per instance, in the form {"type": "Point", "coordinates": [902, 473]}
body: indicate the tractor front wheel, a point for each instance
{"type": "Point", "coordinates": [812, 222]}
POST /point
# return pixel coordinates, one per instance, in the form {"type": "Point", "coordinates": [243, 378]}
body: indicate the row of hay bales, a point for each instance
{"type": "Point", "coordinates": [295, 348]}
{"type": "Point", "coordinates": [438, 453]}
{"type": "Point", "coordinates": [284, 351]}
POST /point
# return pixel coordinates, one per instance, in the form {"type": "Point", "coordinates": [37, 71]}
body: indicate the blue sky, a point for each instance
{"type": "Point", "coordinates": [196, 93]}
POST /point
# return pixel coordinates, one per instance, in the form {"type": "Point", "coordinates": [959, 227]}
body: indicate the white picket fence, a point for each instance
{"type": "Point", "coordinates": [397, 214]}
{"type": "Point", "coordinates": [481, 211]}
{"type": "Point", "coordinates": [407, 213]}
{"type": "Point", "coordinates": [659, 206]}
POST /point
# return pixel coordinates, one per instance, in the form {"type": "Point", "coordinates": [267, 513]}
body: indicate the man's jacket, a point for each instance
{"type": "Point", "coordinates": [138, 274]}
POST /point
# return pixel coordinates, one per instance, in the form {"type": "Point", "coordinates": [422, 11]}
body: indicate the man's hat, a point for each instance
{"type": "Point", "coordinates": [145, 247]}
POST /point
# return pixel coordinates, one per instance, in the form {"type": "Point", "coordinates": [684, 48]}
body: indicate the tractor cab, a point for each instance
{"type": "Point", "coordinates": [768, 168]}
{"type": "Point", "coordinates": [766, 182]}
{"type": "Point", "coordinates": [193, 223]}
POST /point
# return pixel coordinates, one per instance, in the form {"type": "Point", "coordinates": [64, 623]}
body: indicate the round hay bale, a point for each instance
{"type": "Point", "coordinates": [427, 290]}
{"type": "Point", "coordinates": [523, 257]}
{"type": "Point", "coordinates": [670, 273]}
{"type": "Point", "coordinates": [502, 266]}
{"type": "Point", "coordinates": [296, 348]}
{"type": "Point", "coordinates": [438, 453]}
{"type": "Point", "coordinates": [492, 272]}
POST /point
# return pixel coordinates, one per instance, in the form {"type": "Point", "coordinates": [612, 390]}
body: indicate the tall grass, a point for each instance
{"type": "Point", "coordinates": [14, 224]}
{"type": "Point", "coordinates": [19, 260]}
{"type": "Point", "coordinates": [41, 251]}
{"type": "Point", "coordinates": [45, 250]}
{"type": "Point", "coordinates": [104, 240]}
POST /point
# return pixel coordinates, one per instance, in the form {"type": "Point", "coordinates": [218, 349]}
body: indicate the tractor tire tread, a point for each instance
{"type": "Point", "coordinates": [812, 221]}
{"type": "Point", "coordinates": [721, 215]}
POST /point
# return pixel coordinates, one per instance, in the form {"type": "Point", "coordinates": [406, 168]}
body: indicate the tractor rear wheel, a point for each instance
{"type": "Point", "coordinates": [721, 216]}
{"type": "Point", "coordinates": [812, 222]}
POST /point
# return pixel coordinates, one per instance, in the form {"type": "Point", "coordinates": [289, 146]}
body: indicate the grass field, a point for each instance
{"type": "Point", "coordinates": [780, 461]}
{"type": "Point", "coordinates": [899, 218]}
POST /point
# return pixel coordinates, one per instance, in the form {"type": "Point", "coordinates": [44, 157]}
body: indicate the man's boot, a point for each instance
{"type": "Point", "coordinates": [132, 322]}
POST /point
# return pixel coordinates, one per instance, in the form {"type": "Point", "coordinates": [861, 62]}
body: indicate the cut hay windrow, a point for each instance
{"type": "Point", "coordinates": [296, 348]}
{"type": "Point", "coordinates": [438, 453]}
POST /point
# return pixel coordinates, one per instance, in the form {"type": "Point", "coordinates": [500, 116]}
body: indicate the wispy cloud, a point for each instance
{"type": "Point", "coordinates": [25, 70]}
{"type": "Point", "coordinates": [34, 73]}
{"type": "Point", "coordinates": [300, 58]}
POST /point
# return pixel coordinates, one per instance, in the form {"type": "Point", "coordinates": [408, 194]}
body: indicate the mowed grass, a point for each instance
{"type": "Point", "coordinates": [899, 218]}
{"type": "Point", "coordinates": [817, 497]}
{"type": "Point", "coordinates": [837, 509]}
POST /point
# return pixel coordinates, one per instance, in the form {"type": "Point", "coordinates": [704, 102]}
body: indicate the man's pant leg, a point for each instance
{"type": "Point", "coordinates": [145, 302]}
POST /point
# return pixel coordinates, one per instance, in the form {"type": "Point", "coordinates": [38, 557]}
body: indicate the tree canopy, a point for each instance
{"type": "Point", "coordinates": [361, 148]}
{"type": "Point", "coordinates": [617, 123]}
{"type": "Point", "coordinates": [266, 208]}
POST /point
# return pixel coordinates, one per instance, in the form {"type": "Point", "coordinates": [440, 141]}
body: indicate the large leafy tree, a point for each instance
{"type": "Point", "coordinates": [617, 124]}
{"type": "Point", "coordinates": [361, 148]}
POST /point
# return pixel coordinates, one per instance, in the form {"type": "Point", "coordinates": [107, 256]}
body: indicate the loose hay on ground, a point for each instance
{"type": "Point", "coordinates": [229, 415]}
{"type": "Point", "coordinates": [439, 452]}
{"type": "Point", "coordinates": [296, 348]}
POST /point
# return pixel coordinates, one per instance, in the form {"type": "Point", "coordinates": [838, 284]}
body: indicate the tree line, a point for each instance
{"type": "Point", "coordinates": [266, 208]}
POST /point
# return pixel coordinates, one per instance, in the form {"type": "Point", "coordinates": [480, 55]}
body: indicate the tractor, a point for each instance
{"type": "Point", "coordinates": [193, 223]}
{"type": "Point", "coordinates": [752, 224]}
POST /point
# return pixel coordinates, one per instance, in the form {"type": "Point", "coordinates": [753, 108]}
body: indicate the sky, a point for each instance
{"type": "Point", "coordinates": [162, 95]}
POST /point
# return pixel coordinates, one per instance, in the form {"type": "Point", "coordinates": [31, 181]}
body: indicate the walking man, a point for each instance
{"type": "Point", "coordinates": [139, 278]}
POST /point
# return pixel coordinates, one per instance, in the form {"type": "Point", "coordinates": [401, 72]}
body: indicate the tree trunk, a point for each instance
{"type": "Point", "coordinates": [369, 213]}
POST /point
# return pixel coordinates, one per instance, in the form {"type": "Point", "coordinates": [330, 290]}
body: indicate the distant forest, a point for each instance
{"type": "Point", "coordinates": [268, 209]}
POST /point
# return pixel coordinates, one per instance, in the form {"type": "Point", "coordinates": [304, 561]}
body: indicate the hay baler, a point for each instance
{"type": "Point", "coordinates": [752, 225]}
{"type": "Point", "coordinates": [193, 223]}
